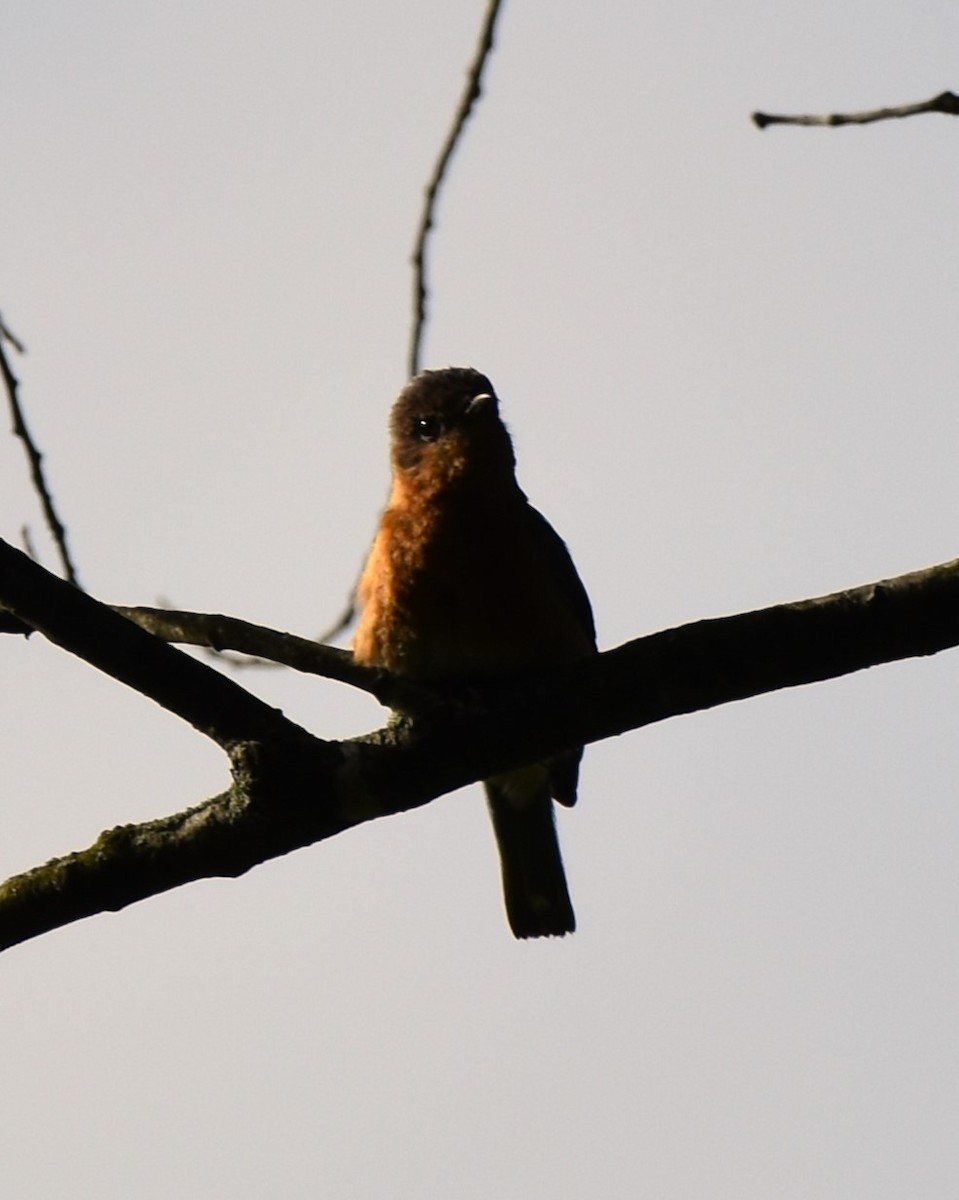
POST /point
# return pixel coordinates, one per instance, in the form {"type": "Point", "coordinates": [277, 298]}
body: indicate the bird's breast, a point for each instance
{"type": "Point", "coordinates": [464, 588]}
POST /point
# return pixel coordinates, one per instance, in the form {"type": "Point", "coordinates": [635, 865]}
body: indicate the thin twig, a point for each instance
{"type": "Point", "coordinates": [342, 622]}
{"type": "Point", "coordinates": [7, 335]}
{"type": "Point", "coordinates": [34, 457]}
{"type": "Point", "coordinates": [26, 537]}
{"type": "Point", "coordinates": [470, 95]}
{"type": "Point", "coordinates": [945, 102]}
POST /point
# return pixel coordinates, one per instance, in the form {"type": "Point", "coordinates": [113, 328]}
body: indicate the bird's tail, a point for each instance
{"type": "Point", "coordinates": [534, 882]}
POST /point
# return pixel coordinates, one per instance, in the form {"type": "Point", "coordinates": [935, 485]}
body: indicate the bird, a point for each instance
{"type": "Point", "coordinates": [466, 581]}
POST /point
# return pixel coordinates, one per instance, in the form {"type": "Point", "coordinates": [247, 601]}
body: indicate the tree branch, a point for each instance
{"type": "Point", "coordinates": [211, 703]}
{"type": "Point", "coordinates": [213, 631]}
{"type": "Point", "coordinates": [217, 632]}
{"type": "Point", "coordinates": [291, 789]}
{"type": "Point", "coordinates": [945, 102]}
{"type": "Point", "coordinates": [471, 94]}
{"type": "Point", "coordinates": [34, 457]}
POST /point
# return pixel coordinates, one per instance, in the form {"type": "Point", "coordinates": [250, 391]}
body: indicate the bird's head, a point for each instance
{"type": "Point", "coordinates": [447, 432]}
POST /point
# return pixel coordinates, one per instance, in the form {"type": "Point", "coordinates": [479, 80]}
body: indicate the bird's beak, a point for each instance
{"type": "Point", "coordinates": [480, 404]}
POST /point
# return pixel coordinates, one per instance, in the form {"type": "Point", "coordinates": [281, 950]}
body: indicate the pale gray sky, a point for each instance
{"type": "Point", "coordinates": [728, 360]}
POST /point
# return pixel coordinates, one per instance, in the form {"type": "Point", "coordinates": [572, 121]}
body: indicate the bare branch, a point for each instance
{"type": "Point", "coordinates": [291, 790]}
{"type": "Point", "coordinates": [34, 457]}
{"type": "Point", "coordinates": [217, 632]}
{"type": "Point", "coordinates": [471, 94]}
{"type": "Point", "coordinates": [945, 102]}
{"type": "Point", "coordinates": [211, 703]}
{"type": "Point", "coordinates": [343, 621]}
{"type": "Point", "coordinates": [29, 549]}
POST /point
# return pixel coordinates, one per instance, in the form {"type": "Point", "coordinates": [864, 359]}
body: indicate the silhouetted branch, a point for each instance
{"type": "Point", "coordinates": [290, 789]}
{"type": "Point", "coordinates": [214, 631]}
{"type": "Point", "coordinates": [213, 704]}
{"type": "Point", "coordinates": [470, 95]}
{"type": "Point", "coordinates": [945, 102]}
{"type": "Point", "coordinates": [7, 335]}
{"type": "Point", "coordinates": [342, 622]}
{"type": "Point", "coordinates": [34, 456]}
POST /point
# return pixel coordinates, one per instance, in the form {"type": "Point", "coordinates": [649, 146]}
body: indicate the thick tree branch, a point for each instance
{"type": "Point", "coordinates": [945, 102]}
{"type": "Point", "coordinates": [291, 789]}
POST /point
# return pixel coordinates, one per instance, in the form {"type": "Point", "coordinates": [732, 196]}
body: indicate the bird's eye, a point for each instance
{"type": "Point", "coordinates": [427, 429]}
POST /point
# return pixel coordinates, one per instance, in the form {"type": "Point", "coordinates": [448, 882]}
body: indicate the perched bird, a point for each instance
{"type": "Point", "coordinates": [467, 581]}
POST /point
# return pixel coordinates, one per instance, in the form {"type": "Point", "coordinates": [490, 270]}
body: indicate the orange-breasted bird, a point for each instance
{"type": "Point", "coordinates": [467, 581]}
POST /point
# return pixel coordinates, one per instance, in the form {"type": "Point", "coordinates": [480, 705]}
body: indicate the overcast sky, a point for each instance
{"type": "Point", "coordinates": [728, 360]}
